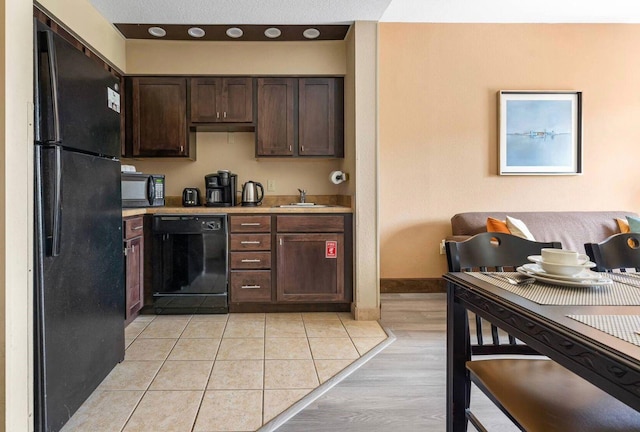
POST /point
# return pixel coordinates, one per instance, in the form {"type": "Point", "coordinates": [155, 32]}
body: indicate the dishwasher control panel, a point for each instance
{"type": "Point", "coordinates": [188, 224]}
{"type": "Point", "coordinates": [214, 225]}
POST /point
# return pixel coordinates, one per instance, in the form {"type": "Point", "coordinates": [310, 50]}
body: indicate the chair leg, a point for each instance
{"type": "Point", "coordinates": [458, 379]}
{"type": "Point", "coordinates": [474, 421]}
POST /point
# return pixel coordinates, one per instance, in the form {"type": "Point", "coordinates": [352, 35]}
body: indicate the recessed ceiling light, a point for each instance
{"type": "Point", "coordinates": [195, 32]}
{"type": "Point", "coordinates": [234, 32]}
{"type": "Point", "coordinates": [157, 31]}
{"type": "Point", "coordinates": [272, 32]}
{"type": "Point", "coordinates": [311, 33]}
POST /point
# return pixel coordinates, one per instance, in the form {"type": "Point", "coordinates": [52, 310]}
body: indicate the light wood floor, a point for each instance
{"type": "Point", "coordinates": [403, 387]}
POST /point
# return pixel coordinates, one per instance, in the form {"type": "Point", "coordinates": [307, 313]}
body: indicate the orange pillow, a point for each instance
{"type": "Point", "coordinates": [623, 225]}
{"type": "Point", "coordinates": [496, 225]}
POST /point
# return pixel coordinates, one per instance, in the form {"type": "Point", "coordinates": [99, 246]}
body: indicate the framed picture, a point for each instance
{"type": "Point", "coordinates": [540, 132]}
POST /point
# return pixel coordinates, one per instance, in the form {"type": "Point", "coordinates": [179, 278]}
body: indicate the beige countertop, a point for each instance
{"type": "Point", "coordinates": [234, 210]}
{"type": "Point", "coordinates": [335, 204]}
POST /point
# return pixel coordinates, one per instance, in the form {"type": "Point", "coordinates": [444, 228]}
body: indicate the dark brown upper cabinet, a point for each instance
{"type": "Point", "coordinates": [300, 117]}
{"type": "Point", "coordinates": [221, 100]}
{"type": "Point", "coordinates": [320, 124]}
{"type": "Point", "coordinates": [275, 126]}
{"type": "Point", "coordinates": [157, 118]}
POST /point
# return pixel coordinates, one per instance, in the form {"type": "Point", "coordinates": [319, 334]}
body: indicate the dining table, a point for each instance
{"type": "Point", "coordinates": [590, 330]}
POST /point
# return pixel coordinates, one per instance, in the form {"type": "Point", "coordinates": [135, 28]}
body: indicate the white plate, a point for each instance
{"type": "Point", "coordinates": [538, 260]}
{"type": "Point", "coordinates": [560, 269]}
{"type": "Point", "coordinates": [583, 275]}
{"type": "Point", "coordinates": [567, 283]}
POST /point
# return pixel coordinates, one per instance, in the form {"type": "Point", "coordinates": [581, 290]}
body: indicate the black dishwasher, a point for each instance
{"type": "Point", "coordinates": [191, 251]}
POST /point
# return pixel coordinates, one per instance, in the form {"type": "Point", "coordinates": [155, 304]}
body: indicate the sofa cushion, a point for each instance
{"type": "Point", "coordinates": [634, 224]}
{"type": "Point", "coordinates": [519, 228]}
{"type": "Point", "coordinates": [495, 225]}
{"type": "Point", "coordinates": [623, 225]}
{"type": "Point", "coordinates": [573, 228]}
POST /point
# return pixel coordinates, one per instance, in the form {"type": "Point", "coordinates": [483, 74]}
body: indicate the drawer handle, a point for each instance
{"type": "Point", "coordinates": [250, 261]}
{"type": "Point", "coordinates": [250, 286]}
{"type": "Point", "coordinates": [250, 224]}
{"type": "Point", "coordinates": [249, 242]}
{"type": "Point", "coordinates": [136, 228]}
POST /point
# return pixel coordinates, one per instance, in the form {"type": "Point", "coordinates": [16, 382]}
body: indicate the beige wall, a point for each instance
{"type": "Point", "coordinates": [438, 120]}
{"type": "Point", "coordinates": [16, 147]}
{"type": "Point", "coordinates": [236, 152]}
{"type": "Point", "coordinates": [364, 112]}
{"type": "Point", "coordinates": [84, 20]}
{"type": "Point", "coordinates": [349, 161]}
{"type": "Point", "coordinates": [235, 58]}
{"type": "Point", "coordinates": [3, 209]}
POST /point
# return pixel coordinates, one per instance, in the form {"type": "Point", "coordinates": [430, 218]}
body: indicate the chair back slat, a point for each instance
{"type": "Point", "coordinates": [618, 252]}
{"type": "Point", "coordinates": [479, 330]}
{"type": "Point", "coordinates": [494, 335]}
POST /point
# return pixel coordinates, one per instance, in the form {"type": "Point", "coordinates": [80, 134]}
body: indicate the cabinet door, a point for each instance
{"type": "Point", "coordinates": [310, 267]}
{"type": "Point", "coordinates": [276, 120]}
{"type": "Point", "coordinates": [237, 100]}
{"type": "Point", "coordinates": [134, 271]}
{"type": "Point", "coordinates": [205, 100]}
{"type": "Point", "coordinates": [159, 116]}
{"type": "Point", "coordinates": [317, 117]}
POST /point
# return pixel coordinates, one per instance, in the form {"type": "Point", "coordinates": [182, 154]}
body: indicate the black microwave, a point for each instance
{"type": "Point", "coordinates": [142, 190]}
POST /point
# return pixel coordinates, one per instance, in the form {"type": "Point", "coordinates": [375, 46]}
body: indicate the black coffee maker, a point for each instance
{"type": "Point", "coordinates": [221, 189]}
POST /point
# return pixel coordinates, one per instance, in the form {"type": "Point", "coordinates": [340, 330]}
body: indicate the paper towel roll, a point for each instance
{"type": "Point", "coordinates": [337, 177]}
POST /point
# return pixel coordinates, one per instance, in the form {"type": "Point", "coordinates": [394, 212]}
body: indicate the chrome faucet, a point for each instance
{"type": "Point", "coordinates": [303, 195]}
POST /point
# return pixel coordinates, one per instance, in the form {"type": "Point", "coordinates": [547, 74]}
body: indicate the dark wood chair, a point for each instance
{"type": "Point", "coordinates": [535, 394]}
{"type": "Point", "coordinates": [493, 252]}
{"type": "Point", "coordinates": [618, 252]}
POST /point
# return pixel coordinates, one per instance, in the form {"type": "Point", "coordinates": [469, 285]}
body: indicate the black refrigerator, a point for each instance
{"type": "Point", "coordinates": [79, 276]}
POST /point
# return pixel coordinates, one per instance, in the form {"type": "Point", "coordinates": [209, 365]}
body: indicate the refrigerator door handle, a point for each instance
{"type": "Point", "coordinates": [53, 74]}
{"type": "Point", "coordinates": [57, 202]}
{"type": "Point", "coordinates": [49, 197]}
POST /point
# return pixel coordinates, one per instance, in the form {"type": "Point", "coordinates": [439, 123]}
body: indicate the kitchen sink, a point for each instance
{"type": "Point", "coordinates": [303, 205]}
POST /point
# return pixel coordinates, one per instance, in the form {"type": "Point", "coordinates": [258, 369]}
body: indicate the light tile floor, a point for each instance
{"type": "Point", "coordinates": [209, 373]}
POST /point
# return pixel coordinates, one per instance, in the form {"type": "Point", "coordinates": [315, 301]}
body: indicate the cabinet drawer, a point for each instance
{"type": "Point", "coordinates": [250, 260]}
{"type": "Point", "coordinates": [308, 224]}
{"type": "Point", "coordinates": [248, 286]}
{"type": "Point", "coordinates": [246, 224]}
{"type": "Point", "coordinates": [133, 227]}
{"type": "Point", "coordinates": [250, 242]}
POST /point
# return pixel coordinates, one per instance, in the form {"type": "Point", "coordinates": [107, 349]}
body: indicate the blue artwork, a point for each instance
{"type": "Point", "coordinates": [539, 133]}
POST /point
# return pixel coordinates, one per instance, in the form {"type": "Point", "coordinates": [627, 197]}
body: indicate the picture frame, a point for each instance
{"type": "Point", "coordinates": [540, 132]}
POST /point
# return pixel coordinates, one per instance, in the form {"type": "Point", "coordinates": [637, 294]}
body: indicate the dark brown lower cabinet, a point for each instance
{"type": "Point", "coordinates": [310, 267]}
{"type": "Point", "coordinates": [134, 267]}
{"type": "Point", "coordinates": [290, 263]}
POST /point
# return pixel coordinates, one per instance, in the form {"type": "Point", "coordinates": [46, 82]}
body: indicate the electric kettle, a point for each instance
{"type": "Point", "coordinates": [250, 195]}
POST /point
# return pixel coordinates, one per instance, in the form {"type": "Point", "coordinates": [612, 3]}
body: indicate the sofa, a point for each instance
{"type": "Point", "coordinates": [572, 228]}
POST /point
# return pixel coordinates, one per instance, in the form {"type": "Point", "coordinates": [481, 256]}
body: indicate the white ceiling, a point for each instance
{"type": "Point", "coordinates": [347, 11]}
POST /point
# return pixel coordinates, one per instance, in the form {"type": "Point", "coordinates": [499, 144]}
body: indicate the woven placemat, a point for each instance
{"type": "Point", "coordinates": [616, 294]}
{"type": "Point", "coordinates": [621, 326]}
